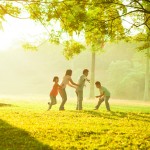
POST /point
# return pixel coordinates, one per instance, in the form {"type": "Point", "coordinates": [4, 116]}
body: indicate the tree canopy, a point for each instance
{"type": "Point", "coordinates": [98, 21]}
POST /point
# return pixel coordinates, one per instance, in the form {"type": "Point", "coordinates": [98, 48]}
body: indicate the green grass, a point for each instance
{"type": "Point", "coordinates": [28, 126]}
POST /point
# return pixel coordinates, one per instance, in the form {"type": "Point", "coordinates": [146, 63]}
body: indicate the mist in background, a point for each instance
{"type": "Point", "coordinates": [121, 69]}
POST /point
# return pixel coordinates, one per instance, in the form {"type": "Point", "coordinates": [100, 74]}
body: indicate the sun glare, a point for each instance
{"type": "Point", "coordinates": [5, 41]}
{"type": "Point", "coordinates": [17, 30]}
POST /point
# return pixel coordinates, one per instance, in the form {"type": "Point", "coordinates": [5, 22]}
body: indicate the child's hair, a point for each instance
{"type": "Point", "coordinates": [69, 72]}
{"type": "Point", "coordinates": [85, 71]}
{"type": "Point", "coordinates": [98, 83]}
{"type": "Point", "coordinates": [55, 78]}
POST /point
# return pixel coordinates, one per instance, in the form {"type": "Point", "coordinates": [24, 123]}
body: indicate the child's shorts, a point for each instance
{"type": "Point", "coordinates": [53, 100]}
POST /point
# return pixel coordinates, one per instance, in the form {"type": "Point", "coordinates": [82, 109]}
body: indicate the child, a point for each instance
{"type": "Point", "coordinates": [54, 92]}
{"type": "Point", "coordinates": [67, 80]}
{"type": "Point", "coordinates": [79, 89]}
{"type": "Point", "coordinates": [104, 96]}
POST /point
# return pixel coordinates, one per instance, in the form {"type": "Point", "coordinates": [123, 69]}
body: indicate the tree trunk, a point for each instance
{"type": "Point", "coordinates": [92, 76]}
{"type": "Point", "coordinates": [147, 80]}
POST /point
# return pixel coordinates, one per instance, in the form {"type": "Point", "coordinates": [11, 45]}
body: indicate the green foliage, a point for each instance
{"type": "Point", "coordinates": [88, 17]}
{"type": "Point", "coordinates": [29, 46]}
{"type": "Point", "coordinates": [34, 10]}
{"type": "Point", "coordinates": [8, 8]}
{"type": "Point", "coordinates": [72, 48]}
{"type": "Point", "coordinates": [144, 40]}
{"type": "Point", "coordinates": [141, 37]}
{"type": "Point", "coordinates": [98, 20]}
{"type": "Point", "coordinates": [144, 46]}
{"type": "Point", "coordinates": [29, 126]}
{"type": "Point", "coordinates": [55, 37]}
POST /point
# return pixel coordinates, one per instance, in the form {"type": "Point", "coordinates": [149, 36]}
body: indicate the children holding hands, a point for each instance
{"type": "Point", "coordinates": [67, 80]}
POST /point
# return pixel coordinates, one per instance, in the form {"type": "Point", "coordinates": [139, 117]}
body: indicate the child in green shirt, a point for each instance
{"type": "Point", "coordinates": [104, 96]}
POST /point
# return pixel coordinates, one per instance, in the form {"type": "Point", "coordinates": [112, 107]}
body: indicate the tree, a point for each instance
{"type": "Point", "coordinates": [126, 79]}
{"type": "Point", "coordinates": [147, 78]}
{"type": "Point", "coordinates": [147, 72]}
{"type": "Point", "coordinates": [92, 76]}
{"type": "Point", "coordinates": [144, 39]}
{"type": "Point", "coordinates": [99, 21]}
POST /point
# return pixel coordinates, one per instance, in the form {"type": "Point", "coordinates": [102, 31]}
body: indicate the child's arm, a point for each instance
{"type": "Point", "coordinates": [58, 86]}
{"type": "Point", "coordinates": [73, 83]}
{"type": "Point", "coordinates": [100, 96]}
{"type": "Point", "coordinates": [88, 80]}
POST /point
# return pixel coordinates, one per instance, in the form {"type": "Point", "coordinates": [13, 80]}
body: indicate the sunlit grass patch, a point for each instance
{"type": "Point", "coordinates": [31, 126]}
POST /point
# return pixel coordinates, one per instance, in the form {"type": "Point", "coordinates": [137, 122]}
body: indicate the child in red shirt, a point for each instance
{"type": "Point", "coordinates": [54, 92]}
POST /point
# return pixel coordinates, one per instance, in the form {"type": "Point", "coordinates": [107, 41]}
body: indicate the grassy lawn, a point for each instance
{"type": "Point", "coordinates": [26, 125]}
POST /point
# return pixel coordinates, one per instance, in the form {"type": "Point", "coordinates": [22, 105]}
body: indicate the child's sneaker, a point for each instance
{"type": "Point", "coordinates": [49, 105]}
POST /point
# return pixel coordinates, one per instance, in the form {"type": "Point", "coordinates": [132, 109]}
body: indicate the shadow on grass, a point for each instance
{"type": "Point", "coordinates": [119, 115]}
{"type": "Point", "coordinates": [107, 115]}
{"type": "Point", "coordinates": [133, 116]}
{"type": "Point", "coordinates": [5, 105]}
{"type": "Point", "coordinates": [13, 138]}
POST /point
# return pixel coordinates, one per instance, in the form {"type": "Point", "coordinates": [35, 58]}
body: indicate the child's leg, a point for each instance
{"type": "Point", "coordinates": [64, 99]}
{"type": "Point", "coordinates": [50, 105]}
{"type": "Point", "coordinates": [80, 99]}
{"type": "Point", "coordinates": [99, 103]}
{"type": "Point", "coordinates": [107, 103]}
{"type": "Point", "coordinates": [77, 100]}
{"type": "Point", "coordinates": [54, 100]}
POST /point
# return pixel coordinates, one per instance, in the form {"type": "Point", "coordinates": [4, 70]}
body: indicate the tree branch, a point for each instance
{"type": "Point", "coordinates": [6, 12]}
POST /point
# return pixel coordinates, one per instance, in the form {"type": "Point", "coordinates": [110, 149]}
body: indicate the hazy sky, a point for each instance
{"type": "Point", "coordinates": [18, 30]}
{"type": "Point", "coordinates": [26, 30]}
